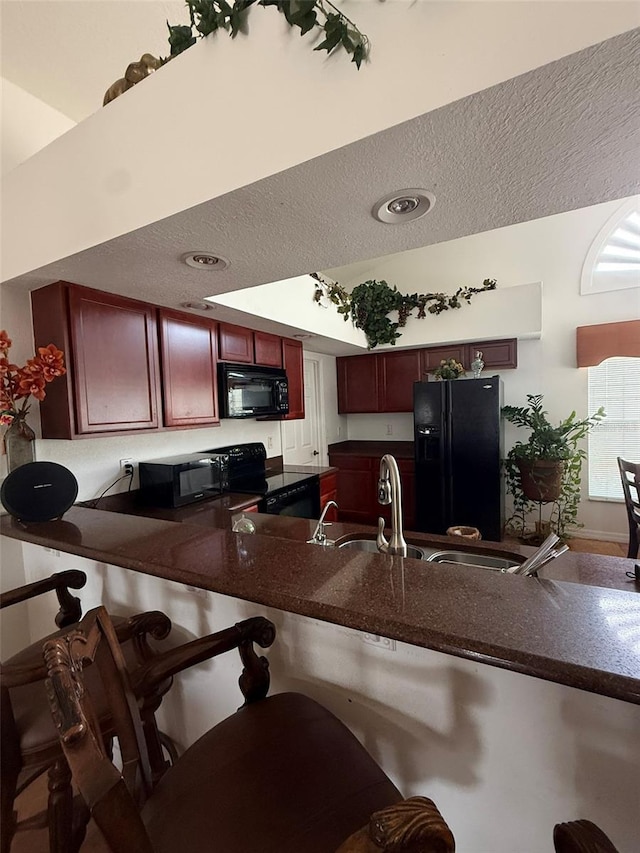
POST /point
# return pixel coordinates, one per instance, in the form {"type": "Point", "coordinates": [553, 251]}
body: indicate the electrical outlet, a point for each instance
{"type": "Point", "coordinates": [126, 467]}
{"type": "Point", "coordinates": [389, 429]}
{"type": "Point", "coordinates": [269, 442]}
{"type": "Point", "coordinates": [380, 642]}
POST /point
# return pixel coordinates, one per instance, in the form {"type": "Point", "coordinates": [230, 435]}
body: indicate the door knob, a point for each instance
{"type": "Point", "coordinates": [316, 453]}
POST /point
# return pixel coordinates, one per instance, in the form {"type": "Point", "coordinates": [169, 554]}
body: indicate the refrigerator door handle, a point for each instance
{"type": "Point", "coordinates": [448, 463]}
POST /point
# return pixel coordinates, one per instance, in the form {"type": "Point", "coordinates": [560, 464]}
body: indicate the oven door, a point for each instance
{"type": "Point", "coordinates": [301, 501]}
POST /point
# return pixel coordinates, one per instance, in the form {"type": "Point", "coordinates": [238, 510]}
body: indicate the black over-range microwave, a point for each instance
{"type": "Point", "coordinates": [178, 480]}
{"type": "Point", "coordinates": [249, 391]}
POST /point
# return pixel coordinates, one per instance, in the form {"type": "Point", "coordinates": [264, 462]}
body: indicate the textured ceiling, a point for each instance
{"type": "Point", "coordinates": [562, 137]}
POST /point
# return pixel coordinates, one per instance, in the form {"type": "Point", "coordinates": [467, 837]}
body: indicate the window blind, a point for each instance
{"type": "Point", "coordinates": [614, 384]}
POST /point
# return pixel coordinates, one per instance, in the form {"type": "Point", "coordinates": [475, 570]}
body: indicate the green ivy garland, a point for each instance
{"type": "Point", "coordinates": [207, 16]}
{"type": "Point", "coordinates": [370, 303]}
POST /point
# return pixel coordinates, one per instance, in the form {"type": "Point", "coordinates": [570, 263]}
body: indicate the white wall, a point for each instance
{"type": "Point", "coordinates": [28, 124]}
{"type": "Point", "coordinates": [550, 250]}
{"type": "Point", "coordinates": [504, 756]}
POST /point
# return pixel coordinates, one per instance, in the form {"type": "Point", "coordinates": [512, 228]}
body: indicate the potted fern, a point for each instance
{"type": "Point", "coordinates": [547, 467]}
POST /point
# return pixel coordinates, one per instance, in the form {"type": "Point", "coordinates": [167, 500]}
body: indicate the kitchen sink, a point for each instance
{"type": "Point", "coordinates": [370, 545]}
{"type": "Point", "coordinates": [469, 558]}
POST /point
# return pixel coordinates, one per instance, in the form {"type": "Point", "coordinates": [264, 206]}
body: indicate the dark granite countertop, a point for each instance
{"type": "Point", "coordinates": [400, 449]}
{"type": "Point", "coordinates": [561, 631]}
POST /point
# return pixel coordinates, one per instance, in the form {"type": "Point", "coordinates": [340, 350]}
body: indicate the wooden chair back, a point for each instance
{"type": "Point", "coordinates": [630, 476]}
{"type": "Point", "coordinates": [114, 797]}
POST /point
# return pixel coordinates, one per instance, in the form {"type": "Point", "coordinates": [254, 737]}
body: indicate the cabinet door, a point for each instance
{"type": "Point", "coordinates": [115, 356]}
{"type": "Point", "coordinates": [268, 349]}
{"type": "Point", "coordinates": [499, 355]}
{"type": "Point", "coordinates": [236, 343]}
{"type": "Point", "coordinates": [432, 356]}
{"type": "Point", "coordinates": [292, 361]}
{"type": "Point", "coordinates": [49, 306]}
{"type": "Point", "coordinates": [188, 359]}
{"type": "Point", "coordinates": [398, 372]}
{"type": "Point", "coordinates": [358, 389]}
{"type": "Point", "coordinates": [356, 487]}
{"type": "Point", "coordinates": [329, 492]}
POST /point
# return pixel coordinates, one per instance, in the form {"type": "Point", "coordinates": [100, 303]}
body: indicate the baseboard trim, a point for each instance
{"type": "Point", "coordinates": [603, 535]}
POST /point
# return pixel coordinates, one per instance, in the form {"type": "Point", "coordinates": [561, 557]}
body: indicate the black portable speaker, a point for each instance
{"type": "Point", "coordinates": [39, 491]}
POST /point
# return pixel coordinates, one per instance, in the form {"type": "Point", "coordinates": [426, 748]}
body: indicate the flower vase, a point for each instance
{"type": "Point", "coordinates": [477, 365]}
{"type": "Point", "coordinates": [19, 443]}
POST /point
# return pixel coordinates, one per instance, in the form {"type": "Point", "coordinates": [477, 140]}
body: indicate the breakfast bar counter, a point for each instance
{"type": "Point", "coordinates": [565, 630]}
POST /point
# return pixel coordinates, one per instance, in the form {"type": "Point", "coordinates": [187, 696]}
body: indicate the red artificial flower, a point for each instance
{"type": "Point", "coordinates": [20, 383]}
{"type": "Point", "coordinates": [30, 383]}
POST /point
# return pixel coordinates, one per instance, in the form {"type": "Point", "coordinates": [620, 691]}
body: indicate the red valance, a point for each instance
{"type": "Point", "coordinates": [595, 343]}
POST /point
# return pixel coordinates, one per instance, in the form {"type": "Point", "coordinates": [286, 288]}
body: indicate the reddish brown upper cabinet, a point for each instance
{"type": "Point", "coordinates": [293, 363]}
{"type": "Point", "coordinates": [432, 356]}
{"type": "Point", "coordinates": [329, 492]}
{"type": "Point", "coordinates": [398, 372]}
{"type": "Point", "coordinates": [111, 352]}
{"type": "Point", "coordinates": [497, 355]}
{"type": "Point", "coordinates": [383, 381]}
{"type": "Point", "coordinates": [358, 384]}
{"type": "Point", "coordinates": [267, 349]}
{"type": "Point", "coordinates": [188, 346]}
{"type": "Point", "coordinates": [236, 343]}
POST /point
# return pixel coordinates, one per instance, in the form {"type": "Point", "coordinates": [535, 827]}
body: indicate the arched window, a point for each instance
{"type": "Point", "coordinates": [614, 384]}
{"type": "Point", "coordinates": [613, 261]}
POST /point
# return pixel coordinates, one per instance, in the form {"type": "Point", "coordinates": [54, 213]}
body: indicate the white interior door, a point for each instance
{"type": "Point", "coordinates": [303, 441]}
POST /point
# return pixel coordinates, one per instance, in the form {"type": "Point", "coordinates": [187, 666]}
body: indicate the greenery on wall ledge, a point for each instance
{"type": "Point", "coordinates": [369, 305]}
{"type": "Point", "coordinates": [207, 16]}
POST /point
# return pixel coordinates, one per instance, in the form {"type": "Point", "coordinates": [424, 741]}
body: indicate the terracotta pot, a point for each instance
{"type": "Point", "coordinates": [541, 480]}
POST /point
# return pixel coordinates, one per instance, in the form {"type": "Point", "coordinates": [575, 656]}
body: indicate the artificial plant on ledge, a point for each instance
{"type": "Point", "coordinates": [207, 16]}
{"type": "Point", "coordinates": [369, 305]}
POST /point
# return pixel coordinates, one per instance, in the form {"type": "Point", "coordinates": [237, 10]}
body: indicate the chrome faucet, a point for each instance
{"type": "Point", "coordinates": [390, 492]}
{"type": "Point", "coordinates": [319, 536]}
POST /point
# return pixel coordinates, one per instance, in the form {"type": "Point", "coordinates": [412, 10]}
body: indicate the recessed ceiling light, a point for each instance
{"type": "Point", "coordinates": [302, 337]}
{"type": "Point", "coordinates": [205, 261]}
{"type": "Point", "coordinates": [403, 206]}
{"type": "Point", "coordinates": [198, 305]}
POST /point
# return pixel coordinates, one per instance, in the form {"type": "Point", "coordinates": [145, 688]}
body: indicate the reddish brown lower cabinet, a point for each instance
{"type": "Point", "coordinates": [267, 349]}
{"type": "Point", "coordinates": [356, 495]}
{"type": "Point", "coordinates": [188, 346]}
{"type": "Point", "coordinates": [111, 351]}
{"type": "Point", "coordinates": [236, 343]}
{"type": "Point", "coordinates": [357, 482]}
{"type": "Point", "coordinates": [293, 363]}
{"type": "Point", "coordinates": [329, 492]}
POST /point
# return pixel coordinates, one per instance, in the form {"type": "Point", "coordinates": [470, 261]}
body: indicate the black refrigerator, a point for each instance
{"type": "Point", "coordinates": [458, 452]}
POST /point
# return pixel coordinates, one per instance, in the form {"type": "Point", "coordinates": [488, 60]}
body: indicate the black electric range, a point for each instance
{"type": "Point", "coordinates": [285, 493]}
